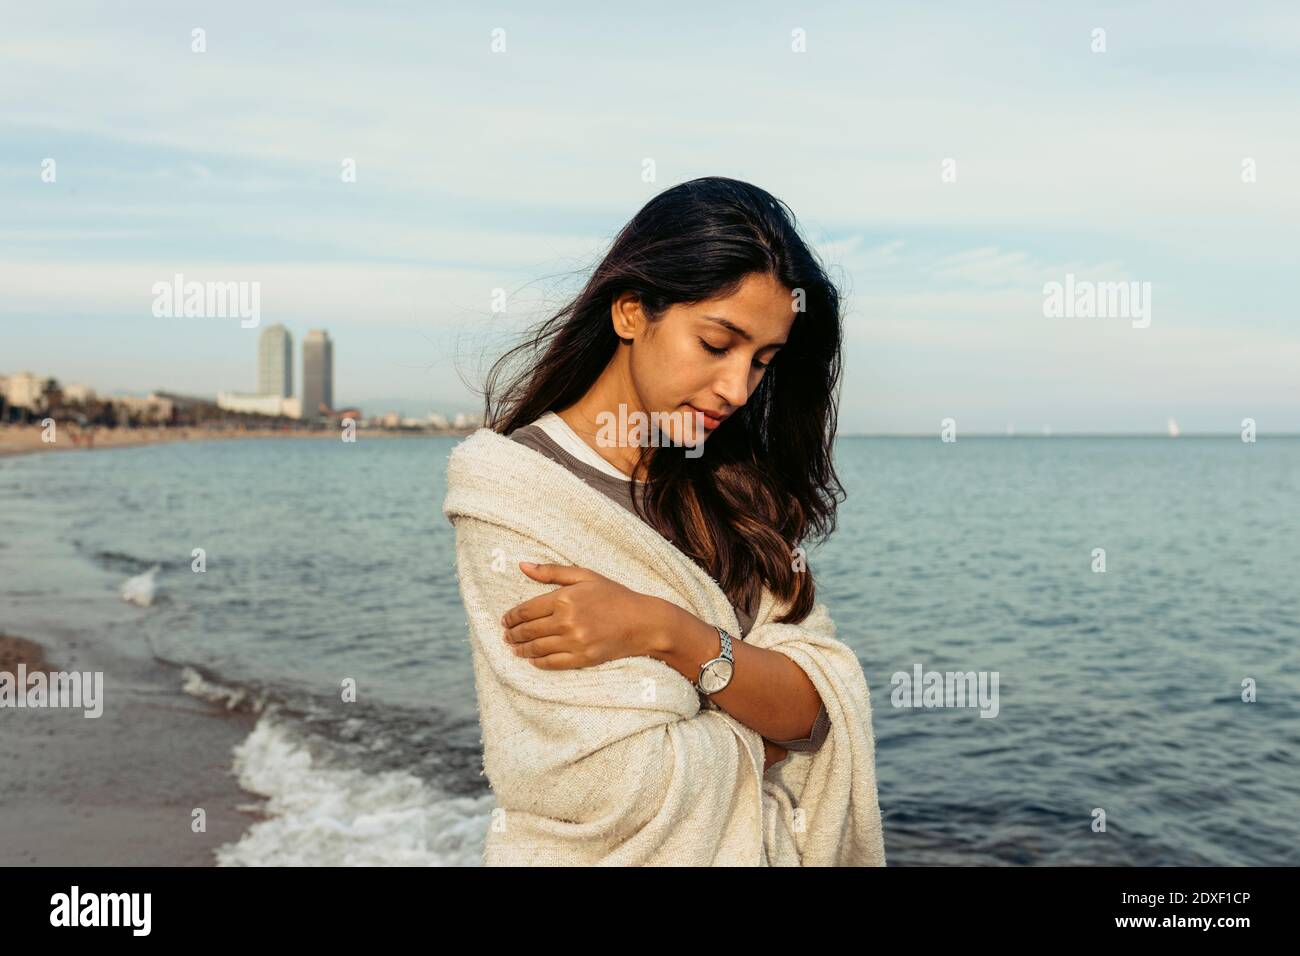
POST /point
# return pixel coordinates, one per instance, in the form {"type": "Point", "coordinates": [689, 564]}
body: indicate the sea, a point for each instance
{"type": "Point", "coordinates": [1129, 605]}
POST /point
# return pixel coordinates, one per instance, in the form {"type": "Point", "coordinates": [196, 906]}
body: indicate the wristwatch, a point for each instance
{"type": "Point", "coordinates": [715, 675]}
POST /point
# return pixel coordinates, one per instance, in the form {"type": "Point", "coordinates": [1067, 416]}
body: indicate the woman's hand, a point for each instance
{"type": "Point", "coordinates": [588, 620]}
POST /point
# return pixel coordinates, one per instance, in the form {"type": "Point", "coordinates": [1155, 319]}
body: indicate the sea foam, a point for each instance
{"type": "Point", "coordinates": [327, 816]}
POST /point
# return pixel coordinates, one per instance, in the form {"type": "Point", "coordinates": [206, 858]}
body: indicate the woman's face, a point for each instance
{"type": "Point", "coordinates": [706, 356]}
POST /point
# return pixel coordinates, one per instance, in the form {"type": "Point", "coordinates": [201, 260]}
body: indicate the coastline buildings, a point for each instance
{"type": "Point", "coordinates": [154, 409]}
{"type": "Point", "coordinates": [275, 362]}
{"type": "Point", "coordinates": [317, 374]}
{"type": "Point", "coordinates": [26, 396]}
{"type": "Point", "coordinates": [274, 395]}
{"type": "Point", "coordinates": [258, 404]}
{"type": "Point", "coordinates": [79, 394]}
{"type": "Point", "coordinates": [24, 390]}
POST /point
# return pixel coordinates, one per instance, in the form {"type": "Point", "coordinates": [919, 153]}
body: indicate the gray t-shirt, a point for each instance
{"type": "Point", "coordinates": [620, 491]}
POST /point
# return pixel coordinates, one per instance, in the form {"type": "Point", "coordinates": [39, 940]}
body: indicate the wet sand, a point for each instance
{"type": "Point", "coordinates": [117, 790]}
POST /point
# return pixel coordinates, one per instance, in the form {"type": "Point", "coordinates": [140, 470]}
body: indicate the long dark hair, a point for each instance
{"type": "Point", "coordinates": [766, 483]}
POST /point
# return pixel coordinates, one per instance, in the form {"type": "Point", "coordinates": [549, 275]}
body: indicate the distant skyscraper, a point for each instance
{"type": "Point", "coordinates": [317, 373]}
{"type": "Point", "coordinates": [275, 362]}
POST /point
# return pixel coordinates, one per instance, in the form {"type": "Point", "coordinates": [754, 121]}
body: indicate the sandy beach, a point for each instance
{"type": "Point", "coordinates": [120, 789]}
{"type": "Point", "coordinates": [25, 439]}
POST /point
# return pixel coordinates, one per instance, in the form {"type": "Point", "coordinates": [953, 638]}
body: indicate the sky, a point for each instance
{"type": "Point", "coordinates": [481, 169]}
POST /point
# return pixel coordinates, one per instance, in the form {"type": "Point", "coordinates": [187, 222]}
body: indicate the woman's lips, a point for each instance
{"type": "Point", "coordinates": [710, 422]}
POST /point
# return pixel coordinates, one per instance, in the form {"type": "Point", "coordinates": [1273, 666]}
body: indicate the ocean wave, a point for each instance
{"type": "Point", "coordinates": [117, 560]}
{"type": "Point", "coordinates": [143, 588]}
{"type": "Point", "coordinates": [235, 698]}
{"type": "Point", "coordinates": [320, 815]}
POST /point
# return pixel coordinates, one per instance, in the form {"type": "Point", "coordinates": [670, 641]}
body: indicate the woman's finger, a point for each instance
{"type": "Point", "coordinates": [557, 573]}
{"type": "Point", "coordinates": [541, 646]}
{"type": "Point", "coordinates": [557, 662]}
{"type": "Point", "coordinates": [531, 630]}
{"type": "Point", "coordinates": [533, 608]}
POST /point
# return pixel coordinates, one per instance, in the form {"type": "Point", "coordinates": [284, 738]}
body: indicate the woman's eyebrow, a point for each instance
{"type": "Point", "coordinates": [737, 329]}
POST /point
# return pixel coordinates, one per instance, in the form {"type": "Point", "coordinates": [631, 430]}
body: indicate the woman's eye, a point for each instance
{"type": "Point", "coordinates": [714, 350]}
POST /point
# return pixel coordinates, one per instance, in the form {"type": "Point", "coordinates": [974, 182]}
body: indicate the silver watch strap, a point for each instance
{"type": "Point", "coordinates": [724, 653]}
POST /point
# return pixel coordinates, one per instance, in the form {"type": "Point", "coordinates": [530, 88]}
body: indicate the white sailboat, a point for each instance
{"type": "Point", "coordinates": [1173, 428]}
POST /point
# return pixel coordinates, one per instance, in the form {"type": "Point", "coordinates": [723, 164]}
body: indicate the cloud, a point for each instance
{"type": "Point", "coordinates": [423, 297]}
{"type": "Point", "coordinates": [479, 171]}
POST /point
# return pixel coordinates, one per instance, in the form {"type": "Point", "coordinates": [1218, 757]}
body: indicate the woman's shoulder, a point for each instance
{"type": "Point", "coordinates": [532, 435]}
{"type": "Point", "coordinates": [482, 462]}
{"type": "Point", "coordinates": [504, 466]}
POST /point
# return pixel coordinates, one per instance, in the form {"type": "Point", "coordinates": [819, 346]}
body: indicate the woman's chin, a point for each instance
{"type": "Point", "coordinates": [689, 433]}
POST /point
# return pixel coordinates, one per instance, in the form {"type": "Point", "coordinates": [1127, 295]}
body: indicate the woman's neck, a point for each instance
{"type": "Point", "coordinates": [611, 389]}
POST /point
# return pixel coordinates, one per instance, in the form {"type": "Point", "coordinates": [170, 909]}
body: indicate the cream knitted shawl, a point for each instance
{"type": "Point", "coordinates": [617, 764]}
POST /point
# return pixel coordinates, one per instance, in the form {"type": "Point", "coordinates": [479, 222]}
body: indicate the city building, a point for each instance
{"type": "Point", "coordinates": [187, 407]}
{"type": "Point", "coordinates": [275, 361]}
{"type": "Point", "coordinates": [257, 404]}
{"type": "Point", "coordinates": [24, 390]}
{"type": "Point", "coordinates": [78, 394]}
{"type": "Point", "coordinates": [468, 420]}
{"type": "Point", "coordinates": [317, 374]}
{"type": "Point", "coordinates": [155, 409]}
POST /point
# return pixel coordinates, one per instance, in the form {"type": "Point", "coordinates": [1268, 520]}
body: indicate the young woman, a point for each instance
{"type": "Point", "coordinates": [656, 682]}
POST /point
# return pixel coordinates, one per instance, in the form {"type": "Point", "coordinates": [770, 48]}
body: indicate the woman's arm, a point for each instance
{"type": "Point", "coordinates": [591, 619]}
{"type": "Point", "coordinates": [768, 693]}
{"type": "Point", "coordinates": [611, 765]}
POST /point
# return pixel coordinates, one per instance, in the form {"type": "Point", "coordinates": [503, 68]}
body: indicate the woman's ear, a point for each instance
{"type": "Point", "coordinates": [625, 313]}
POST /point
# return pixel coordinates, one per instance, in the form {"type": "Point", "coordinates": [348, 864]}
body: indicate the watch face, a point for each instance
{"type": "Point", "coordinates": [717, 674]}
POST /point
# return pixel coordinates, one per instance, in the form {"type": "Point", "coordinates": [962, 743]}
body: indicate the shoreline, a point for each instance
{"type": "Point", "coordinates": [26, 439]}
{"type": "Point", "coordinates": [120, 789]}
